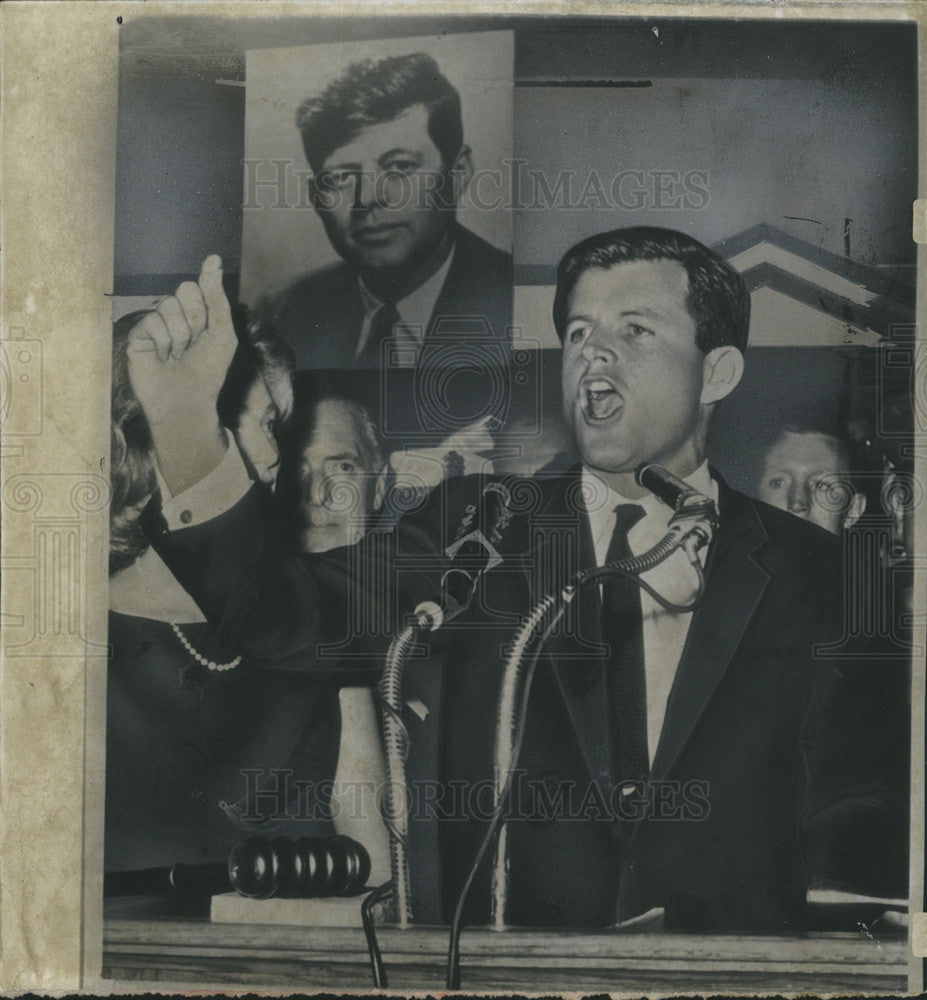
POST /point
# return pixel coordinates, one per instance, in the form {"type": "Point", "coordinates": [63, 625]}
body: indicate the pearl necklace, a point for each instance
{"type": "Point", "coordinates": [188, 646]}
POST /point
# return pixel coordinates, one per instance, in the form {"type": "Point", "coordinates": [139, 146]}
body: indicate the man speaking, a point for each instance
{"type": "Point", "coordinates": [760, 765]}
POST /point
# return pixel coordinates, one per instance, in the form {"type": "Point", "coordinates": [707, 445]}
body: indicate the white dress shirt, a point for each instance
{"type": "Point", "coordinates": [414, 314]}
{"type": "Point", "coordinates": [675, 579]}
{"type": "Point", "coordinates": [147, 588]}
{"type": "Point", "coordinates": [211, 496]}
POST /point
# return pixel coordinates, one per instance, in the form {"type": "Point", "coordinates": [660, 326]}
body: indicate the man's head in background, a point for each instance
{"type": "Point", "coordinates": [654, 326]}
{"type": "Point", "coordinates": [335, 467]}
{"type": "Point", "coordinates": [809, 473]}
{"type": "Point", "coordinates": [385, 144]}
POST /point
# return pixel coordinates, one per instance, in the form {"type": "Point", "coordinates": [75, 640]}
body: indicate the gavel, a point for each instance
{"type": "Point", "coordinates": [311, 867]}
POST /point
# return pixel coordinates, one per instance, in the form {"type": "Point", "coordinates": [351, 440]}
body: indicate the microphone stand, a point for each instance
{"type": "Point", "coordinates": [394, 804]}
{"type": "Point", "coordinates": [690, 528]}
{"type": "Point", "coordinates": [472, 553]}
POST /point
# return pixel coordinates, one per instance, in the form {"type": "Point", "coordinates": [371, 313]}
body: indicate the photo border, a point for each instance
{"type": "Point", "coordinates": [57, 171]}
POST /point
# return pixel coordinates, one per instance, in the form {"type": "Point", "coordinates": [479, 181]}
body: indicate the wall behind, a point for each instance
{"type": "Point", "coordinates": [829, 161]}
{"type": "Point", "coordinates": [835, 102]}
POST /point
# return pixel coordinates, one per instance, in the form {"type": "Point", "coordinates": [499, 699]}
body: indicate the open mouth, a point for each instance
{"type": "Point", "coordinates": [601, 400]}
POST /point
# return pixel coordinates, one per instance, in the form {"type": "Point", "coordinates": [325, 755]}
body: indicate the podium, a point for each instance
{"type": "Point", "coordinates": [144, 945]}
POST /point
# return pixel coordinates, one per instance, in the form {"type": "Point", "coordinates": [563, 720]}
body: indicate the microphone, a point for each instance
{"type": "Point", "coordinates": [695, 517]}
{"type": "Point", "coordinates": [473, 552]}
{"type": "Point", "coordinates": [664, 485]}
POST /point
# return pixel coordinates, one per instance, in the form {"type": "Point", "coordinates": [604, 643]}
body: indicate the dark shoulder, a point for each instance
{"type": "Point", "coordinates": [319, 315]}
{"type": "Point", "coordinates": [328, 279]}
{"type": "Point", "coordinates": [450, 500]}
{"type": "Point", "coordinates": [794, 544]}
{"type": "Point", "coordinates": [787, 529]}
{"type": "Point", "coordinates": [473, 251]}
{"type": "Point", "coordinates": [517, 490]}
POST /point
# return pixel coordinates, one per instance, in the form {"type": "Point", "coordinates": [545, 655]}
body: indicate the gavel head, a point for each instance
{"type": "Point", "coordinates": [311, 867]}
{"type": "Point", "coordinates": [252, 868]}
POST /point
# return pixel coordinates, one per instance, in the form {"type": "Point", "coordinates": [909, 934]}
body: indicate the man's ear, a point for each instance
{"type": "Point", "coordinates": [722, 369]}
{"type": "Point", "coordinates": [855, 510]}
{"type": "Point", "coordinates": [461, 172]}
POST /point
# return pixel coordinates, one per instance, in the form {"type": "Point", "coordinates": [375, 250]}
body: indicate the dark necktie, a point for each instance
{"type": "Point", "coordinates": [381, 328]}
{"type": "Point", "coordinates": [623, 632]}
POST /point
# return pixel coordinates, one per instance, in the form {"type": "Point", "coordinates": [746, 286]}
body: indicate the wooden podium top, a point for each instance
{"type": "Point", "coordinates": [192, 951]}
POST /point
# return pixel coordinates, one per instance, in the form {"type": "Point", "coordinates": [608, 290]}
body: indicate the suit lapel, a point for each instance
{"type": "Point", "coordinates": [469, 292]}
{"type": "Point", "coordinates": [735, 586]}
{"type": "Point", "coordinates": [327, 317]}
{"type": "Point", "coordinates": [455, 300]}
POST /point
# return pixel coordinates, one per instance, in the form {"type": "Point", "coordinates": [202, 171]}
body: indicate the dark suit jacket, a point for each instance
{"type": "Point", "coordinates": [189, 750]}
{"type": "Point", "coordinates": [321, 314]}
{"type": "Point", "coordinates": [778, 767]}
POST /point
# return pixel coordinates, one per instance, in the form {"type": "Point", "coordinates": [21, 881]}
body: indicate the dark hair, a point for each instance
{"type": "Point", "coordinates": [261, 351]}
{"type": "Point", "coordinates": [368, 93]}
{"type": "Point", "coordinates": [847, 453]}
{"type": "Point", "coordinates": [718, 300]}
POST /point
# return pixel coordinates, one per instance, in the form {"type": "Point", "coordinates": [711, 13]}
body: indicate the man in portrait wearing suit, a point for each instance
{"type": "Point", "coordinates": [386, 146]}
{"type": "Point", "coordinates": [715, 763]}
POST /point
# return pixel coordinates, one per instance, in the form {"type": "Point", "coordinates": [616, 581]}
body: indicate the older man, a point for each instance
{"type": "Point", "coordinates": [710, 762]}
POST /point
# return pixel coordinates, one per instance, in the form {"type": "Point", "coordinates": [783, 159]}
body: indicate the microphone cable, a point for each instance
{"type": "Point", "coordinates": [592, 575]}
{"type": "Point", "coordinates": [379, 895]}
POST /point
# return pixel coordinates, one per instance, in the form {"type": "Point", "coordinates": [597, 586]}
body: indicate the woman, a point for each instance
{"type": "Point", "coordinates": [203, 748]}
